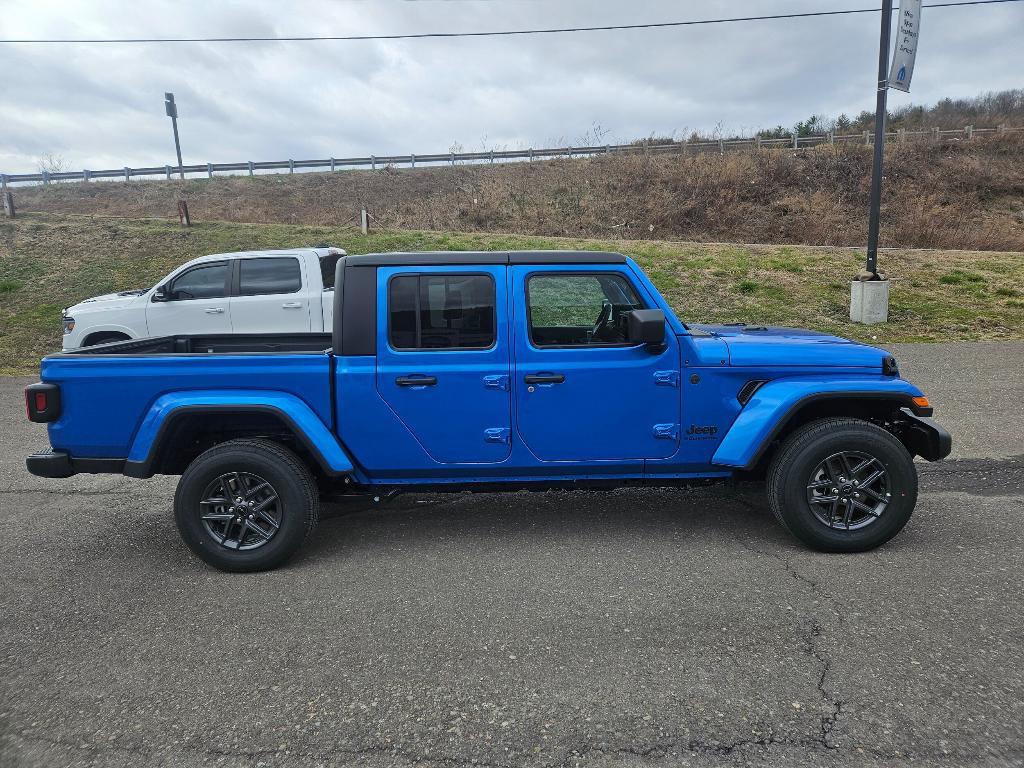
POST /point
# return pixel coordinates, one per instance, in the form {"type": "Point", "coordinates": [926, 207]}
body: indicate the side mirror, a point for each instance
{"type": "Point", "coordinates": [647, 326]}
{"type": "Point", "coordinates": [160, 294]}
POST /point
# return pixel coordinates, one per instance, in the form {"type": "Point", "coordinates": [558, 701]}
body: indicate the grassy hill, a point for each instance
{"type": "Point", "coordinates": [954, 194]}
{"type": "Point", "coordinates": [50, 261]}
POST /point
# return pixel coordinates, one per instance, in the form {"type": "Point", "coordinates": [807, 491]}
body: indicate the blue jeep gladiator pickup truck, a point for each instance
{"type": "Point", "coordinates": [489, 371]}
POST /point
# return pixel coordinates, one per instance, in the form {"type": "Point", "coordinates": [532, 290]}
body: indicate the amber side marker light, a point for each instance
{"type": "Point", "coordinates": [921, 406]}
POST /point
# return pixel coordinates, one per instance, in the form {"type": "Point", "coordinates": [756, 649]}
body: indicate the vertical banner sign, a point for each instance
{"type": "Point", "coordinates": [907, 30]}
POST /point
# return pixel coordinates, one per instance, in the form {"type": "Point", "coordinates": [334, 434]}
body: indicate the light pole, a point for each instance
{"type": "Point", "coordinates": [172, 112]}
{"type": "Point", "coordinates": [880, 115]}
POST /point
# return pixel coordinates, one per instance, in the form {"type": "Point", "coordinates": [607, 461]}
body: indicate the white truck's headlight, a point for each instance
{"type": "Point", "coordinates": [69, 324]}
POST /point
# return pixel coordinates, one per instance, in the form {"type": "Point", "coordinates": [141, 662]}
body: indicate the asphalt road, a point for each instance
{"type": "Point", "coordinates": [641, 627]}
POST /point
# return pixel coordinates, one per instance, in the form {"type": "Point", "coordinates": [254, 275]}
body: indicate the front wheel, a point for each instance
{"type": "Point", "coordinates": [842, 485]}
{"type": "Point", "coordinates": [246, 505]}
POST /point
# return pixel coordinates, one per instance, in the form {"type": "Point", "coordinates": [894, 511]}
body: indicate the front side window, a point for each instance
{"type": "Point", "coordinates": [433, 311]}
{"type": "Point", "coordinates": [204, 282]}
{"type": "Point", "coordinates": [580, 309]}
{"type": "Point", "coordinates": [259, 277]}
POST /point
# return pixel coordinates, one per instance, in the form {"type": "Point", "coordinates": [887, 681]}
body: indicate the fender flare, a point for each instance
{"type": "Point", "coordinates": [91, 330]}
{"type": "Point", "coordinates": [775, 403]}
{"type": "Point", "coordinates": [307, 427]}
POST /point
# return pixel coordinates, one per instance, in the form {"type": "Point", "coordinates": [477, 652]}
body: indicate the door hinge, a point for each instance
{"type": "Point", "coordinates": [496, 381]}
{"type": "Point", "coordinates": [498, 435]}
{"type": "Point", "coordinates": [666, 378]}
{"type": "Point", "coordinates": [666, 431]}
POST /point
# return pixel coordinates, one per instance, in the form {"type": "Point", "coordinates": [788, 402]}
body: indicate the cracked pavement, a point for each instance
{"type": "Point", "coordinates": [636, 627]}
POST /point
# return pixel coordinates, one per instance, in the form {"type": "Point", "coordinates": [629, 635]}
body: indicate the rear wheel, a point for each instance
{"type": "Point", "coordinates": [842, 485]}
{"type": "Point", "coordinates": [246, 505]}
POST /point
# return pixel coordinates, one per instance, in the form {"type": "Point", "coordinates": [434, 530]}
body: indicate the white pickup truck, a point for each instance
{"type": "Point", "coordinates": [247, 292]}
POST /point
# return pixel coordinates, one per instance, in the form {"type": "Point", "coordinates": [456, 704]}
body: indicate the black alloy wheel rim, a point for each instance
{"type": "Point", "coordinates": [240, 511]}
{"type": "Point", "coordinates": [849, 490]}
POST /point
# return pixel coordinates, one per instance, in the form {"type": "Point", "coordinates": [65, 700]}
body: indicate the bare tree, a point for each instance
{"type": "Point", "coordinates": [51, 163]}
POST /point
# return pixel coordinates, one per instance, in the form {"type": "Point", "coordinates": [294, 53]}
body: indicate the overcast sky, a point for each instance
{"type": "Point", "coordinates": [102, 106]}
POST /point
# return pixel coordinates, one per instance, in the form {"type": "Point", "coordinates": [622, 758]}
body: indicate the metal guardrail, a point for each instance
{"type": "Point", "coordinates": [495, 156]}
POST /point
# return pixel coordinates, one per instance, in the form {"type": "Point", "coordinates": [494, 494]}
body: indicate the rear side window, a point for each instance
{"type": "Point", "coordinates": [257, 277]}
{"type": "Point", "coordinates": [441, 312]}
{"type": "Point", "coordinates": [204, 282]}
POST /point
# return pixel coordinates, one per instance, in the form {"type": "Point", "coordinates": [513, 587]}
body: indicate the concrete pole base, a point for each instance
{"type": "Point", "coordinates": [869, 301]}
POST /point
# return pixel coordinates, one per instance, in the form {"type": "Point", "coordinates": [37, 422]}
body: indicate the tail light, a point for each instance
{"type": "Point", "coordinates": [42, 402]}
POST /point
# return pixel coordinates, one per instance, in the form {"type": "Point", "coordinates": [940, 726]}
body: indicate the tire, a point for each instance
{"type": "Point", "coordinates": [242, 538]}
{"type": "Point", "coordinates": [805, 476]}
{"type": "Point", "coordinates": [104, 338]}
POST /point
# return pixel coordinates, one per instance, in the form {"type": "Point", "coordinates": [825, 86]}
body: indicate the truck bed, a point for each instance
{"type": "Point", "coordinates": [239, 343]}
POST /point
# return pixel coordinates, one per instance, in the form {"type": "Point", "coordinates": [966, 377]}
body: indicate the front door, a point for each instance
{"type": "Point", "coordinates": [582, 391]}
{"type": "Point", "coordinates": [443, 358]}
{"type": "Point", "coordinates": [196, 302]}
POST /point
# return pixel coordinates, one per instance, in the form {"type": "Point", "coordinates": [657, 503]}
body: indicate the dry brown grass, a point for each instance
{"type": "Point", "coordinates": [961, 194]}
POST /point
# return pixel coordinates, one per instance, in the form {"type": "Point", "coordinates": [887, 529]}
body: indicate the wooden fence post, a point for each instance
{"type": "Point", "coordinates": [969, 130]}
{"type": "Point", "coordinates": [183, 218]}
{"type": "Point", "coordinates": [901, 135]}
{"type": "Point", "coordinates": [867, 138]}
{"type": "Point", "coordinates": [8, 203]}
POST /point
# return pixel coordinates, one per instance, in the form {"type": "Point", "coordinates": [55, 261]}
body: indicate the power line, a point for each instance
{"type": "Point", "coordinates": [497, 33]}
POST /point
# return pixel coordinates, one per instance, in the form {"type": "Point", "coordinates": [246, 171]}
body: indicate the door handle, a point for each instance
{"type": "Point", "coordinates": [215, 311]}
{"type": "Point", "coordinates": [544, 378]}
{"type": "Point", "coordinates": [292, 304]}
{"type": "Point", "coordinates": [416, 381]}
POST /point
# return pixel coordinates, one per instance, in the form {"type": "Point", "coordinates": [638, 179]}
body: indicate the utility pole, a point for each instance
{"type": "Point", "coordinates": [880, 115]}
{"type": "Point", "coordinates": [172, 112]}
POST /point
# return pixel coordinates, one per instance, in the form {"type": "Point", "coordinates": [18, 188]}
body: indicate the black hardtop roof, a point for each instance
{"type": "Point", "coordinates": [440, 258]}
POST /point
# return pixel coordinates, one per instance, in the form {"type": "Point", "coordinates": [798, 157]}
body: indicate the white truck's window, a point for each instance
{"type": "Point", "coordinates": [207, 281]}
{"type": "Point", "coordinates": [258, 277]}
{"type": "Point", "coordinates": [441, 312]}
{"type": "Point", "coordinates": [328, 265]}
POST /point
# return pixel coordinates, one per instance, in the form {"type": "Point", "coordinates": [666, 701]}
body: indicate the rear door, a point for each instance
{"type": "Point", "coordinates": [197, 302]}
{"type": "Point", "coordinates": [269, 295]}
{"type": "Point", "coordinates": [582, 391]}
{"type": "Point", "coordinates": [443, 358]}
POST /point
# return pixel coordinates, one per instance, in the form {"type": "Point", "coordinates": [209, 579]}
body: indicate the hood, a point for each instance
{"type": "Point", "coordinates": [758, 345]}
{"type": "Point", "coordinates": [108, 301]}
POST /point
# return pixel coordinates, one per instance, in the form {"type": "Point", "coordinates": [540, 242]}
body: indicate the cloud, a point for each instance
{"type": "Point", "coordinates": [102, 106]}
